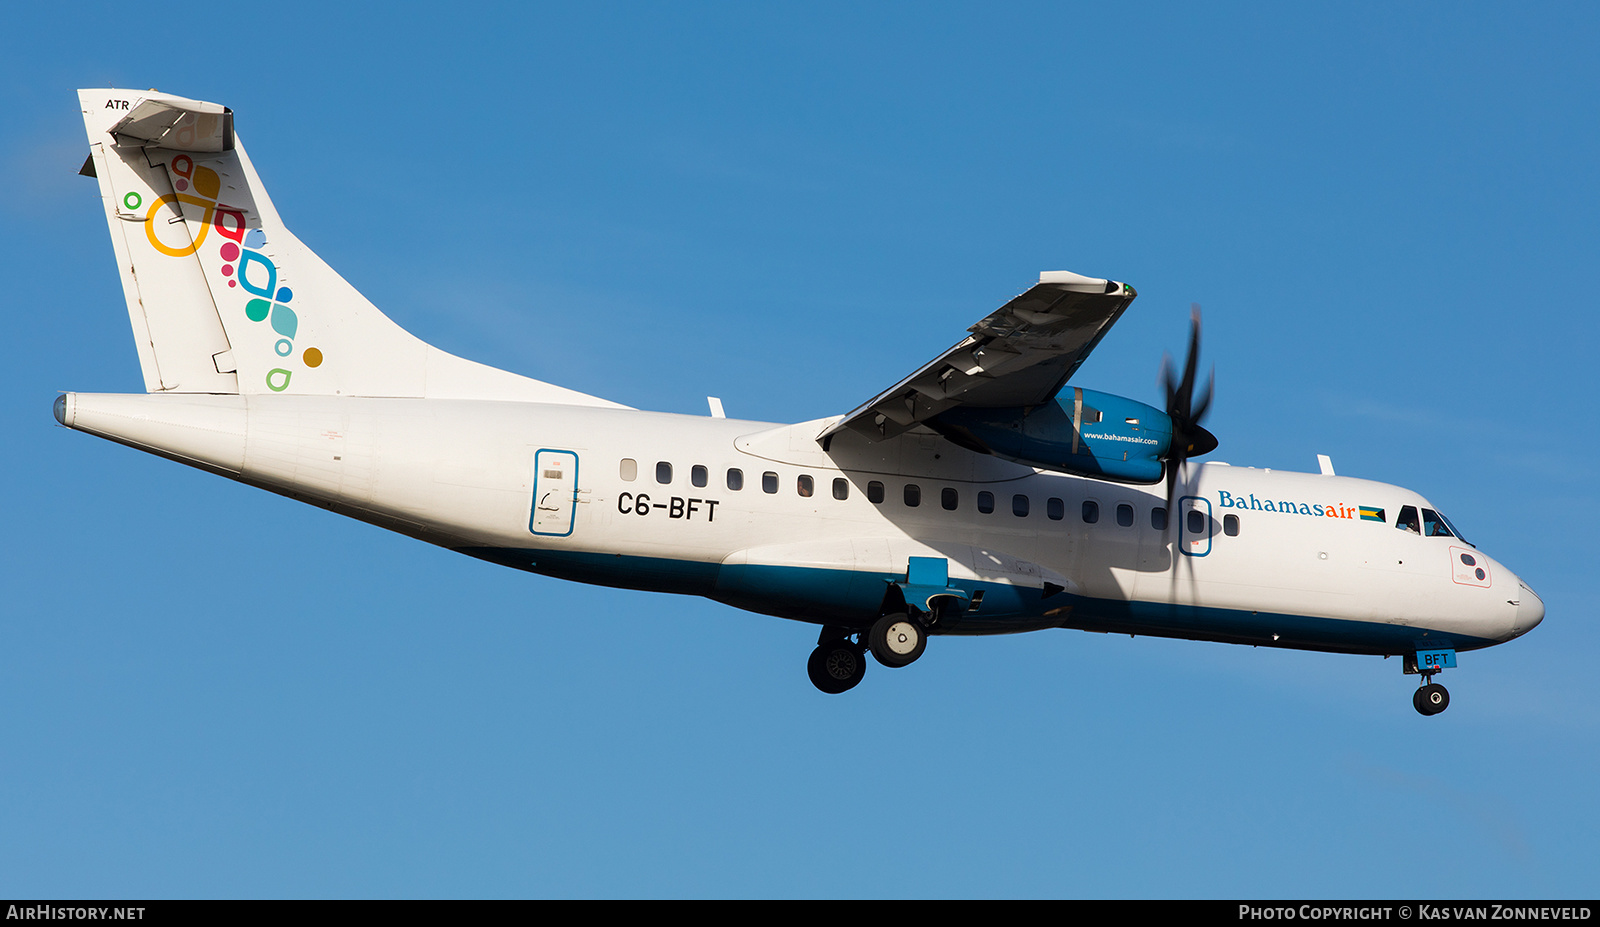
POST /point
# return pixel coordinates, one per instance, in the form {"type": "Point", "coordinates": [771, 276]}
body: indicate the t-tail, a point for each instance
{"type": "Point", "coordinates": [223, 299]}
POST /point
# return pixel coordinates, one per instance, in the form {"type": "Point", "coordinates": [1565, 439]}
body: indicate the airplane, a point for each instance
{"type": "Point", "coordinates": [985, 493]}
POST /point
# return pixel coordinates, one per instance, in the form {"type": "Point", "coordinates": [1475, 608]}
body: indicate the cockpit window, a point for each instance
{"type": "Point", "coordinates": [1433, 526]}
{"type": "Point", "coordinates": [1407, 520]}
{"type": "Point", "coordinates": [1454, 530]}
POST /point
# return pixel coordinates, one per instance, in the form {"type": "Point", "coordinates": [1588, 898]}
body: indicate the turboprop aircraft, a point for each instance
{"type": "Point", "coordinates": [986, 493]}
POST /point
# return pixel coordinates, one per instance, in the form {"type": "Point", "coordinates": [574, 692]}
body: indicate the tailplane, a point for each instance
{"type": "Point", "coordinates": [223, 298]}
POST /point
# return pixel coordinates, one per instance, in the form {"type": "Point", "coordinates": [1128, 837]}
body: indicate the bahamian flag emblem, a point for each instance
{"type": "Point", "coordinates": [1369, 513]}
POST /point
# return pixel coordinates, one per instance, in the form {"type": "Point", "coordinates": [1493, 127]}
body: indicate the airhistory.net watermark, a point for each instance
{"type": "Point", "coordinates": [51, 912]}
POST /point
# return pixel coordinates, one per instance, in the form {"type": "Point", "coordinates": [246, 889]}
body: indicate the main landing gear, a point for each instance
{"type": "Point", "coordinates": [897, 640]}
{"type": "Point", "coordinates": [837, 665]}
{"type": "Point", "coordinates": [839, 662]}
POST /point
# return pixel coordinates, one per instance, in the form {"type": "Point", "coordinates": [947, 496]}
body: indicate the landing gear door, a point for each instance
{"type": "Point", "coordinates": [555, 493]}
{"type": "Point", "coordinates": [1195, 526]}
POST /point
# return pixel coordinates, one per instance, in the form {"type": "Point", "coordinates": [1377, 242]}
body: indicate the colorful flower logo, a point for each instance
{"type": "Point", "coordinates": [245, 266]}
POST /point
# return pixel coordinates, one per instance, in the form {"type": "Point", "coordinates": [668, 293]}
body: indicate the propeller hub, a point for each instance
{"type": "Point", "coordinates": [1201, 442]}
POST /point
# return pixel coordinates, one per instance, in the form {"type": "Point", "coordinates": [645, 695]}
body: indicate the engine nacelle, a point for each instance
{"type": "Point", "coordinates": [1080, 431]}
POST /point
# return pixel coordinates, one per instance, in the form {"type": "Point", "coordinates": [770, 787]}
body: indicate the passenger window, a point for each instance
{"type": "Point", "coordinates": [1125, 515]}
{"type": "Point", "coordinates": [841, 488]}
{"type": "Point", "coordinates": [1019, 505]}
{"type": "Point", "coordinates": [875, 492]}
{"type": "Point", "coordinates": [1197, 522]}
{"type": "Point", "coordinates": [1055, 509]}
{"type": "Point", "coordinates": [1091, 511]}
{"type": "Point", "coordinates": [949, 498]}
{"type": "Point", "coordinates": [769, 482]}
{"type": "Point", "coordinates": [986, 502]}
{"type": "Point", "coordinates": [1230, 525]}
{"type": "Point", "coordinates": [699, 475]}
{"type": "Point", "coordinates": [804, 485]}
{"type": "Point", "coordinates": [913, 495]}
{"type": "Point", "coordinates": [735, 479]}
{"type": "Point", "coordinates": [1407, 520]}
{"type": "Point", "coordinates": [629, 470]}
{"type": "Point", "coordinates": [1433, 526]}
{"type": "Point", "coordinates": [1158, 518]}
{"type": "Point", "coordinates": [663, 473]}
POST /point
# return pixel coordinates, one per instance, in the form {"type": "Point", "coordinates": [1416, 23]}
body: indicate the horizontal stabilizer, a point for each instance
{"type": "Point", "coordinates": [176, 124]}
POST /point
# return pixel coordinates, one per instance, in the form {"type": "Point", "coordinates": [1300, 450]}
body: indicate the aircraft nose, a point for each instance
{"type": "Point", "coordinates": [1530, 610]}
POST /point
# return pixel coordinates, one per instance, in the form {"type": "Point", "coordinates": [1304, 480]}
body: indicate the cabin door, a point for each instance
{"type": "Point", "coordinates": [555, 493]}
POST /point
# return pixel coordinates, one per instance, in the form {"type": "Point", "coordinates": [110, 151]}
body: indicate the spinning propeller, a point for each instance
{"type": "Point", "coordinates": [1188, 438]}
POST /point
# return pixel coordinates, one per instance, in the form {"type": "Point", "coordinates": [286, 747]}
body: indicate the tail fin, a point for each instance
{"type": "Point", "coordinates": [222, 298]}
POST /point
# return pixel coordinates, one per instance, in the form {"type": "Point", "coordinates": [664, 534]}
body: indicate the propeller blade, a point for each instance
{"type": "Point", "coordinates": [1189, 439]}
{"type": "Point", "coordinates": [1204, 405]}
{"type": "Point", "coordinates": [1186, 389]}
{"type": "Point", "coordinates": [1172, 486]}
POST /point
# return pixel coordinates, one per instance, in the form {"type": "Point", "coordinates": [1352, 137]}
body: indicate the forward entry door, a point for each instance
{"type": "Point", "coordinates": [1196, 527]}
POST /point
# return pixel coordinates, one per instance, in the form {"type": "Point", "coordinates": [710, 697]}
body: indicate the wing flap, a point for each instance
{"type": "Point", "coordinates": [1019, 355]}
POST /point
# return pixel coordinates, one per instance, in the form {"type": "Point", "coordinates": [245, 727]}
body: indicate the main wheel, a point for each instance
{"type": "Point", "coordinates": [836, 667]}
{"type": "Point", "coordinates": [896, 640]}
{"type": "Point", "coordinates": [1431, 699]}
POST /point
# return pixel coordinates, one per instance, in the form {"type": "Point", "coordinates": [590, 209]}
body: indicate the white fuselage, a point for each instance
{"type": "Point", "coordinates": [1295, 566]}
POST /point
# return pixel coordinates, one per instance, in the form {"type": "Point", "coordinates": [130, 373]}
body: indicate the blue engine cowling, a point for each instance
{"type": "Point", "coordinates": [1080, 431]}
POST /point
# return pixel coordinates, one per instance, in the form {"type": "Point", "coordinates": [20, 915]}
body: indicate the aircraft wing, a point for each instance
{"type": "Point", "coordinates": [1019, 355]}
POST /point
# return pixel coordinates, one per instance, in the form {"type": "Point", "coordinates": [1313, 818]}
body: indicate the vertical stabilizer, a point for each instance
{"type": "Point", "coordinates": [182, 344]}
{"type": "Point", "coordinates": [223, 298]}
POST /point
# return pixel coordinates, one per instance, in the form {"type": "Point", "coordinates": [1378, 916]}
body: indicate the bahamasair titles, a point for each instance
{"type": "Point", "coordinates": [985, 493]}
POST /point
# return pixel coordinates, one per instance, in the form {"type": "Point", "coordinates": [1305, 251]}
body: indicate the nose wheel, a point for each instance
{"type": "Point", "coordinates": [1431, 698]}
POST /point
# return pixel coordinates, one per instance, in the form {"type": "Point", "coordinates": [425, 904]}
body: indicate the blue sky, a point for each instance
{"type": "Point", "coordinates": [1388, 214]}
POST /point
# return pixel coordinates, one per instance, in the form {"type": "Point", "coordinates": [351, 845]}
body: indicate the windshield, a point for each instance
{"type": "Point", "coordinates": [1455, 531]}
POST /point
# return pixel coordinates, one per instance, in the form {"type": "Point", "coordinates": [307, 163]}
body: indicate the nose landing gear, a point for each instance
{"type": "Point", "coordinates": [1430, 697]}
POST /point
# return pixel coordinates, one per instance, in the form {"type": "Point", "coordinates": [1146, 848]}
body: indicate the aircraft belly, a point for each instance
{"type": "Point", "coordinates": [853, 580]}
{"type": "Point", "coordinates": [816, 594]}
{"type": "Point", "coordinates": [650, 574]}
{"type": "Point", "coordinates": [1260, 627]}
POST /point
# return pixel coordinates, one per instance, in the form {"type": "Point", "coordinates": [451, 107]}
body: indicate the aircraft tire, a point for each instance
{"type": "Point", "coordinates": [1431, 699]}
{"type": "Point", "coordinates": [897, 640]}
{"type": "Point", "coordinates": [836, 667]}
